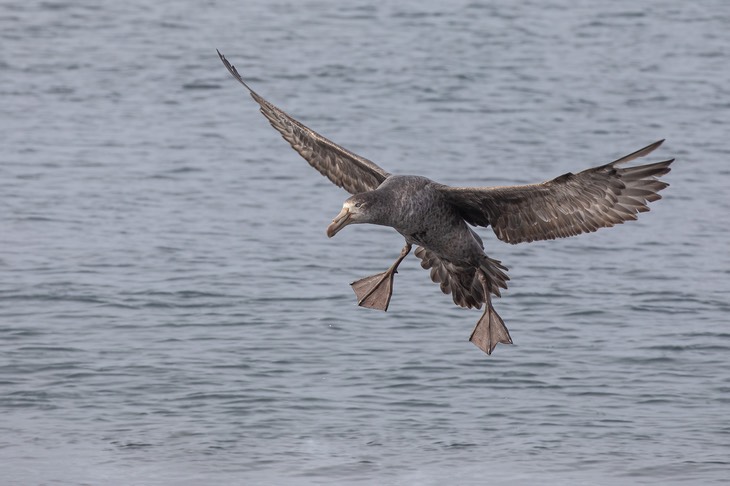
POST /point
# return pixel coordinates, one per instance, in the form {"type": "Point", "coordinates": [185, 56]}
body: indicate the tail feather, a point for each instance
{"type": "Point", "coordinates": [495, 273]}
{"type": "Point", "coordinates": [462, 282]}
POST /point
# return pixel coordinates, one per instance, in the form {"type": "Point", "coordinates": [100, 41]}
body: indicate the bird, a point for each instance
{"type": "Point", "coordinates": [439, 219]}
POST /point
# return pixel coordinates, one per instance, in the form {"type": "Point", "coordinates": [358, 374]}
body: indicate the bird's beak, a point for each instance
{"type": "Point", "coordinates": [340, 221]}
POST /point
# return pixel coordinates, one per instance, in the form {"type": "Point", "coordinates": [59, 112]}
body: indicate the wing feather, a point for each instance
{"type": "Point", "coordinates": [350, 171]}
{"type": "Point", "coordinates": [568, 205]}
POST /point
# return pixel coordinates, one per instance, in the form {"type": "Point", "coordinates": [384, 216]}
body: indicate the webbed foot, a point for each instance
{"type": "Point", "coordinates": [490, 331]}
{"type": "Point", "coordinates": [374, 291]}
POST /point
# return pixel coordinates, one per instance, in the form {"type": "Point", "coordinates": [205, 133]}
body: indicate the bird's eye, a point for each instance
{"type": "Point", "coordinates": [357, 205]}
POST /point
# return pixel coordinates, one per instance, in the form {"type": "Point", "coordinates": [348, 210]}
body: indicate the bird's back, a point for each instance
{"type": "Point", "coordinates": [421, 213]}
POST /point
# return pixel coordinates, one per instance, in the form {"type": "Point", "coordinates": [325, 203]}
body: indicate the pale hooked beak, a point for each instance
{"type": "Point", "coordinates": [340, 221]}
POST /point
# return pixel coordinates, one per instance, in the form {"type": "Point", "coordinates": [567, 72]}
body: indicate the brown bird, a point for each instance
{"type": "Point", "coordinates": [436, 217]}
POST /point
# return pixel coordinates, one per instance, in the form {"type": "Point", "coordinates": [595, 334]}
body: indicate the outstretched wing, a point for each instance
{"type": "Point", "coordinates": [567, 205]}
{"type": "Point", "coordinates": [353, 173]}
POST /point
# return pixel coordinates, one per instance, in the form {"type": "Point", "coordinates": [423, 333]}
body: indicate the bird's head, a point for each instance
{"type": "Point", "coordinates": [360, 208]}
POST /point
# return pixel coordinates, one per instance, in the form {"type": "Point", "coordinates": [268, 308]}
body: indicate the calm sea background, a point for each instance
{"type": "Point", "coordinates": [172, 313]}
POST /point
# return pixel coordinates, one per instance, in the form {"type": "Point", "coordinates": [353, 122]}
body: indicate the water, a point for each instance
{"type": "Point", "coordinates": [171, 311]}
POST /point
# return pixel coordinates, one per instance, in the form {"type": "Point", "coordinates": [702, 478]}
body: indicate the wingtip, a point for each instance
{"type": "Point", "coordinates": [639, 153]}
{"type": "Point", "coordinates": [653, 146]}
{"type": "Point", "coordinates": [234, 72]}
{"type": "Point", "coordinates": [226, 62]}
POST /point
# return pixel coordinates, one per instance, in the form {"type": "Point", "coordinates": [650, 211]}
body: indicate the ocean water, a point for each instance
{"type": "Point", "coordinates": [172, 313]}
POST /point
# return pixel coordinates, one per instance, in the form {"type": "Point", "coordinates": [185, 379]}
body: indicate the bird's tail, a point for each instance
{"type": "Point", "coordinates": [495, 274]}
{"type": "Point", "coordinates": [462, 282]}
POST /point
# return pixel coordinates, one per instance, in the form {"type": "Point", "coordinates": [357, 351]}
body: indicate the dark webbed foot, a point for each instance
{"type": "Point", "coordinates": [490, 329]}
{"type": "Point", "coordinates": [375, 291]}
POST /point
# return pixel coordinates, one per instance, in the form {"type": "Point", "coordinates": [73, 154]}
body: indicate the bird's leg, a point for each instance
{"type": "Point", "coordinates": [490, 328]}
{"type": "Point", "coordinates": [375, 291]}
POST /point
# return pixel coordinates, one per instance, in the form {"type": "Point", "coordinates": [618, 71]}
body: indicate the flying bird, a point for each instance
{"type": "Point", "coordinates": [437, 218]}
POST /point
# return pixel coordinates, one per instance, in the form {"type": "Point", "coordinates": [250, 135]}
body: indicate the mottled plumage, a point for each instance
{"type": "Point", "coordinates": [436, 217]}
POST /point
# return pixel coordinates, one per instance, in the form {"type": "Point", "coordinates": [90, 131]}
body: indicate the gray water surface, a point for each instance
{"type": "Point", "coordinates": [172, 313]}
